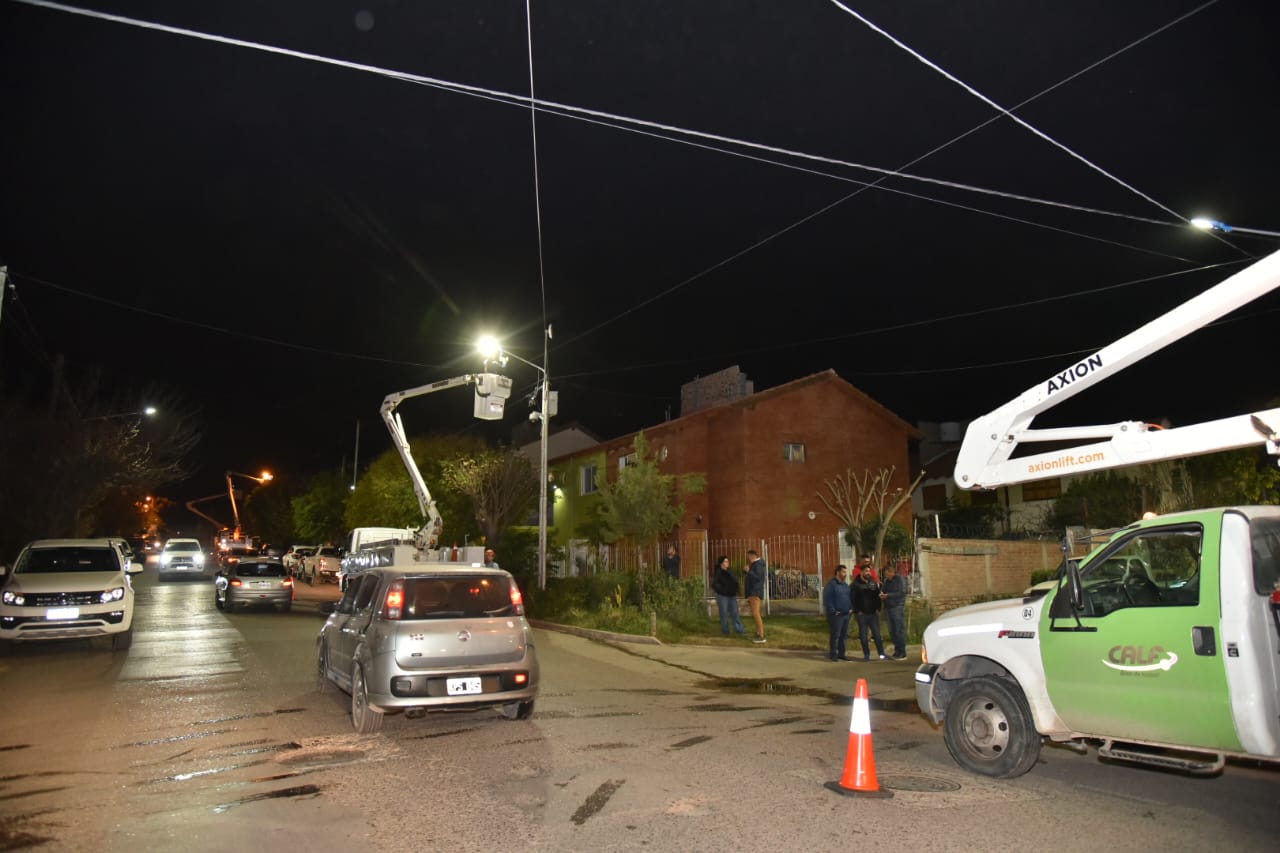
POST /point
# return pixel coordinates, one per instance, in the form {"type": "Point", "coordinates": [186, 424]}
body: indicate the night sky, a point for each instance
{"type": "Point", "coordinates": [284, 241]}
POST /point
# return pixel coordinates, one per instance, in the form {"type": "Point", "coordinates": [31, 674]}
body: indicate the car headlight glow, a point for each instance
{"type": "Point", "coordinates": [15, 598]}
{"type": "Point", "coordinates": [113, 594]}
{"type": "Point", "coordinates": [165, 558]}
{"type": "Point", "coordinates": [199, 559]}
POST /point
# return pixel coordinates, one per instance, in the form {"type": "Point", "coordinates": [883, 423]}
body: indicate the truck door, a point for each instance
{"type": "Point", "coordinates": [1143, 662]}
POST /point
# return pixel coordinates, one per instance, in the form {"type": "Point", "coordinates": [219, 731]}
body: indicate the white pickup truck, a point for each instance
{"type": "Point", "coordinates": [321, 566]}
{"type": "Point", "coordinates": [1162, 646]}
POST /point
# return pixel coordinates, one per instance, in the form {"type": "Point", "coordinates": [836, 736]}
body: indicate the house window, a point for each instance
{"type": "Point", "coordinates": [588, 480]}
{"type": "Point", "coordinates": [793, 452]}
{"type": "Point", "coordinates": [626, 461]}
{"type": "Point", "coordinates": [934, 497]}
{"type": "Point", "coordinates": [1041, 490]}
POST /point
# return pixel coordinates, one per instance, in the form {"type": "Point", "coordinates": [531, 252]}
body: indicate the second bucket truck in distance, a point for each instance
{"type": "Point", "coordinates": [1162, 646]}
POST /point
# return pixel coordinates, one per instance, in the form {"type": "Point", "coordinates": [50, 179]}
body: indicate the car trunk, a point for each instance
{"type": "Point", "coordinates": [464, 620]}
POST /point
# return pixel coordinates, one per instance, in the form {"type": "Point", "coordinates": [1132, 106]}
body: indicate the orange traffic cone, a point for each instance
{"type": "Point", "coordinates": [859, 779]}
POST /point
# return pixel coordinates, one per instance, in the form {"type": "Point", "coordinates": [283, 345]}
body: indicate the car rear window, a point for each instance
{"type": "Point", "coordinates": [475, 596]}
{"type": "Point", "coordinates": [53, 560]}
{"type": "Point", "coordinates": [260, 570]}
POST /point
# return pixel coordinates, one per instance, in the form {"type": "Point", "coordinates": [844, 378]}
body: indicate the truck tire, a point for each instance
{"type": "Point", "coordinates": [988, 728]}
{"type": "Point", "coordinates": [366, 718]}
{"type": "Point", "coordinates": [122, 641]}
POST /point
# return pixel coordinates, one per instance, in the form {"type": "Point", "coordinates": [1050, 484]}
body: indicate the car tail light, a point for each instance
{"type": "Point", "coordinates": [522, 678]}
{"type": "Point", "coordinates": [287, 581]}
{"type": "Point", "coordinates": [236, 582]}
{"type": "Point", "coordinates": [394, 604]}
{"type": "Point", "coordinates": [517, 600]}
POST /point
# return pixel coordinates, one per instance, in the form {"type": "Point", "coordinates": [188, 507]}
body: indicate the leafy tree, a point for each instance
{"type": "Point", "coordinates": [501, 484]}
{"type": "Point", "coordinates": [1101, 500]}
{"type": "Point", "coordinates": [1245, 476]}
{"type": "Point", "coordinates": [640, 504]}
{"type": "Point", "coordinates": [318, 512]}
{"type": "Point", "coordinates": [384, 496]}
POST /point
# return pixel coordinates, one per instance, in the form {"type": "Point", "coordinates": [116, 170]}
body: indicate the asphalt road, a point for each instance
{"type": "Point", "coordinates": [209, 734]}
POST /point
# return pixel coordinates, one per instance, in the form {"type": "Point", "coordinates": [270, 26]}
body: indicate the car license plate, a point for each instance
{"type": "Point", "coordinates": [462, 686]}
{"type": "Point", "coordinates": [62, 613]}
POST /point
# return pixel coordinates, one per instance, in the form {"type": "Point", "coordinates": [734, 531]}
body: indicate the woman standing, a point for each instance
{"type": "Point", "coordinates": [725, 586]}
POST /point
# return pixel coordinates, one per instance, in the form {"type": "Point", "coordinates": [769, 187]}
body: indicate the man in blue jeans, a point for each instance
{"type": "Point", "coordinates": [894, 593]}
{"type": "Point", "coordinates": [866, 602]}
{"type": "Point", "coordinates": [837, 600]}
{"type": "Point", "coordinates": [725, 586]}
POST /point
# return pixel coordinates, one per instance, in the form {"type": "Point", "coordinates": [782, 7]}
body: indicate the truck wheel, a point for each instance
{"type": "Point", "coordinates": [364, 716]}
{"type": "Point", "coordinates": [988, 728]}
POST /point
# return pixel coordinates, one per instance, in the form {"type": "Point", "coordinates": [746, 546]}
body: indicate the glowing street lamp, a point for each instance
{"type": "Point", "coordinates": [1206, 224]}
{"type": "Point", "coordinates": [491, 350]}
{"type": "Point", "coordinates": [149, 411]}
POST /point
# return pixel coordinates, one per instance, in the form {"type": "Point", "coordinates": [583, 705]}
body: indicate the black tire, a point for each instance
{"type": "Point", "coordinates": [517, 710]}
{"type": "Point", "coordinates": [366, 719]}
{"type": "Point", "coordinates": [217, 602]}
{"type": "Point", "coordinates": [324, 685]}
{"type": "Point", "coordinates": [988, 728]}
{"type": "Point", "coordinates": [285, 608]}
{"type": "Point", "coordinates": [6, 646]}
{"type": "Point", "coordinates": [122, 641]}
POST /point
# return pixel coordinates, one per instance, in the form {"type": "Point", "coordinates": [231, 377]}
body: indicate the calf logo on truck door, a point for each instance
{"type": "Point", "coordinates": [1139, 659]}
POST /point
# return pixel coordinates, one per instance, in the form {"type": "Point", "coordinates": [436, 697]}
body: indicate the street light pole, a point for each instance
{"type": "Point", "coordinates": [542, 468]}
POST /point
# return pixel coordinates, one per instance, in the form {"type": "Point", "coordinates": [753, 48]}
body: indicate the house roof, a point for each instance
{"type": "Point", "coordinates": [828, 376]}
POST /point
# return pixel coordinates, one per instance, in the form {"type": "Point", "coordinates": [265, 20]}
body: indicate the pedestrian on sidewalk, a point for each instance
{"type": "Point", "coordinates": [671, 563]}
{"type": "Point", "coordinates": [866, 603]}
{"type": "Point", "coordinates": [757, 577]}
{"type": "Point", "coordinates": [837, 599]}
{"type": "Point", "coordinates": [725, 586]}
{"type": "Point", "coordinates": [894, 594]}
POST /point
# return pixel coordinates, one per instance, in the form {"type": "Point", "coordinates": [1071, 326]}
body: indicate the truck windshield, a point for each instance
{"type": "Point", "coordinates": [52, 560]}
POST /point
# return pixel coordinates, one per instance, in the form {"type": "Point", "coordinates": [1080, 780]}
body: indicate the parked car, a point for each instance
{"type": "Point", "coordinates": [323, 565]}
{"type": "Point", "coordinates": [414, 640]}
{"type": "Point", "coordinates": [183, 557]}
{"type": "Point", "coordinates": [293, 557]}
{"type": "Point", "coordinates": [68, 588]}
{"type": "Point", "coordinates": [253, 580]}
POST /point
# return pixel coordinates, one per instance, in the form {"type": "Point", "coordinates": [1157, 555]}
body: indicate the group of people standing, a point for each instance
{"type": "Point", "coordinates": [725, 586]}
{"type": "Point", "coordinates": [864, 597]}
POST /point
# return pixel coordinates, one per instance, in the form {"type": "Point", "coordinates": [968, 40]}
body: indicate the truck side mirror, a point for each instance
{"type": "Point", "coordinates": [1075, 586]}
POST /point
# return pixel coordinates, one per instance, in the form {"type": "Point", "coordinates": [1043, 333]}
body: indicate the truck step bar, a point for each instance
{"type": "Point", "coordinates": [1206, 764]}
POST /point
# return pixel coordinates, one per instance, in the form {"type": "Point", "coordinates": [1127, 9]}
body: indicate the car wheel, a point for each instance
{"type": "Point", "coordinates": [988, 728]}
{"type": "Point", "coordinates": [122, 641]}
{"type": "Point", "coordinates": [364, 717]}
{"type": "Point", "coordinates": [6, 646]}
{"type": "Point", "coordinates": [285, 608]}
{"type": "Point", "coordinates": [227, 606]}
{"type": "Point", "coordinates": [324, 685]}
{"type": "Point", "coordinates": [518, 710]}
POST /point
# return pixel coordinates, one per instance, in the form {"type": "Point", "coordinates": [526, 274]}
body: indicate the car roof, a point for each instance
{"type": "Point", "coordinates": [105, 542]}
{"type": "Point", "coordinates": [182, 539]}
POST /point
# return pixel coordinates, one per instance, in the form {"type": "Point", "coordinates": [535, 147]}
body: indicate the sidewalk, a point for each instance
{"type": "Point", "coordinates": [890, 683]}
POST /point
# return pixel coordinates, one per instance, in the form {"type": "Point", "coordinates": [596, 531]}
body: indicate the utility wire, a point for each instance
{"type": "Point", "coordinates": [537, 187]}
{"type": "Point", "coordinates": [1007, 113]}
{"type": "Point", "coordinates": [522, 100]}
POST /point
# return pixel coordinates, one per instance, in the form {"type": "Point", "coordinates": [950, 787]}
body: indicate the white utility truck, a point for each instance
{"type": "Point", "coordinates": [1162, 646]}
{"type": "Point", "coordinates": [371, 547]}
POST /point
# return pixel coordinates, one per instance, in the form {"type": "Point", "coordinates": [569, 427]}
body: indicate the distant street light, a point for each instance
{"type": "Point", "coordinates": [492, 350]}
{"type": "Point", "coordinates": [149, 411]}
{"type": "Point", "coordinates": [1205, 224]}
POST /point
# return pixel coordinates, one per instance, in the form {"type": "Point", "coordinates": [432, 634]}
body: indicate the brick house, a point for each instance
{"type": "Point", "coordinates": [765, 455]}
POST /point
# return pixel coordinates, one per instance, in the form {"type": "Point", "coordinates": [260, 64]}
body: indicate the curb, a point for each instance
{"type": "Point", "coordinates": [592, 634]}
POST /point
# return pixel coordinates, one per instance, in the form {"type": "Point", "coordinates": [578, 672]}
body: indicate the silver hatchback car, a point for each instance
{"type": "Point", "coordinates": [253, 580]}
{"type": "Point", "coordinates": [414, 640]}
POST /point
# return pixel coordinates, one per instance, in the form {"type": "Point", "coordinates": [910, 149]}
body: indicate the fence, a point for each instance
{"type": "Point", "coordinates": [798, 565]}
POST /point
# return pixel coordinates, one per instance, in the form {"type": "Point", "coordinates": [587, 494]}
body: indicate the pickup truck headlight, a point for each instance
{"type": "Point", "coordinates": [114, 594]}
{"type": "Point", "coordinates": [15, 598]}
{"type": "Point", "coordinates": [165, 558]}
{"type": "Point", "coordinates": [198, 559]}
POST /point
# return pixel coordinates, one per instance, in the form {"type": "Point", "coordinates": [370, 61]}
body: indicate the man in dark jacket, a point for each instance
{"type": "Point", "coordinates": [837, 600]}
{"type": "Point", "coordinates": [757, 577]}
{"type": "Point", "coordinates": [866, 603]}
{"type": "Point", "coordinates": [894, 591]}
{"type": "Point", "coordinates": [725, 586]}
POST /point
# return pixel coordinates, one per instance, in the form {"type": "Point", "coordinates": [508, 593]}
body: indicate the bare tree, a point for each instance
{"type": "Point", "coordinates": [502, 485]}
{"type": "Point", "coordinates": [856, 499]}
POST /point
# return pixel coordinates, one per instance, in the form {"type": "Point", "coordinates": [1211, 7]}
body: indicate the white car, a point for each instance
{"type": "Point", "coordinates": [66, 589]}
{"type": "Point", "coordinates": [292, 558]}
{"type": "Point", "coordinates": [182, 557]}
